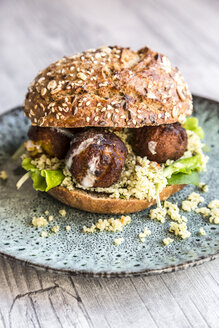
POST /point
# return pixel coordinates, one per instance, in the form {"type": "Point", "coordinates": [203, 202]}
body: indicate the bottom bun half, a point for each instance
{"type": "Point", "coordinates": [92, 202]}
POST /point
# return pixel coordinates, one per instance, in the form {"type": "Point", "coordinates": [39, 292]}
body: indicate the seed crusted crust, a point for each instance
{"type": "Point", "coordinates": [108, 87]}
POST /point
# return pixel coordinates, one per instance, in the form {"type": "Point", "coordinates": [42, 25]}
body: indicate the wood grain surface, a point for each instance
{"type": "Point", "coordinates": [34, 33]}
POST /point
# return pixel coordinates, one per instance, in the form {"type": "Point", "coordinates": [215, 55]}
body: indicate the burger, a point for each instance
{"type": "Point", "coordinates": [110, 132]}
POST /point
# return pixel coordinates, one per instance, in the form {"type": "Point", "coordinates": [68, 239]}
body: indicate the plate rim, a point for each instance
{"type": "Point", "coordinates": [120, 274]}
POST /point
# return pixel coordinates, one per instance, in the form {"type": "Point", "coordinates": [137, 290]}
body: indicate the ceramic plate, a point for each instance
{"type": "Point", "coordinates": [95, 254]}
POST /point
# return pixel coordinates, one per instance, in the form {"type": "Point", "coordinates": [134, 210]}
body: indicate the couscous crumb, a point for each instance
{"type": "Point", "coordinates": [46, 212]}
{"type": "Point", "coordinates": [203, 210]}
{"type": "Point", "coordinates": [144, 234]}
{"type": "Point", "coordinates": [67, 228]}
{"type": "Point", "coordinates": [39, 222]}
{"type": "Point", "coordinates": [192, 201]}
{"type": "Point", "coordinates": [55, 229]}
{"type": "Point", "coordinates": [214, 204]}
{"type": "Point", "coordinates": [212, 211]}
{"type": "Point", "coordinates": [62, 212]}
{"type": "Point", "coordinates": [179, 229]}
{"type": "Point", "coordinates": [202, 231]}
{"type": "Point", "coordinates": [44, 234]}
{"type": "Point", "coordinates": [167, 241]}
{"type": "Point", "coordinates": [3, 175]}
{"type": "Point", "coordinates": [214, 216]}
{"type": "Point", "coordinates": [203, 186]}
{"type": "Point", "coordinates": [173, 212]}
{"type": "Point", "coordinates": [118, 241]}
{"type": "Point", "coordinates": [90, 229]}
{"type": "Point", "coordinates": [111, 225]}
{"type": "Point", "coordinates": [50, 218]}
{"type": "Point", "coordinates": [158, 214]}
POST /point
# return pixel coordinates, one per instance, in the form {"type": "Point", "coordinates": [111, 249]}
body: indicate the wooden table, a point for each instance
{"type": "Point", "coordinates": [34, 33]}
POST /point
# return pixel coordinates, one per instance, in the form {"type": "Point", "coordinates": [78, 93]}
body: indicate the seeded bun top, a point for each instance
{"type": "Point", "coordinates": [111, 87]}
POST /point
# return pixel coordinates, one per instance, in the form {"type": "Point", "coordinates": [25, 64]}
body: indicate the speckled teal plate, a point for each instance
{"type": "Point", "coordinates": [95, 254]}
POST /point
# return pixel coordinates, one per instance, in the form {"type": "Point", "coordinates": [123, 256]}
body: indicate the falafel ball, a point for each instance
{"type": "Point", "coordinates": [96, 158]}
{"type": "Point", "coordinates": [160, 143]}
{"type": "Point", "coordinates": [54, 141]}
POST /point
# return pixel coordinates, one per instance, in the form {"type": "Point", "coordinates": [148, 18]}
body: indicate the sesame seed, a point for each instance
{"type": "Point", "coordinates": [55, 91]}
{"type": "Point", "coordinates": [82, 76]}
{"type": "Point", "coordinates": [43, 91]}
{"type": "Point", "coordinates": [52, 84]}
{"type": "Point", "coordinates": [97, 55]}
{"type": "Point", "coordinates": [88, 119]}
{"type": "Point", "coordinates": [87, 103]}
{"type": "Point", "coordinates": [41, 105]}
{"type": "Point", "coordinates": [96, 118]}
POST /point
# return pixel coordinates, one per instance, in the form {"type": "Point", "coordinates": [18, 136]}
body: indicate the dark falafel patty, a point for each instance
{"type": "Point", "coordinates": [160, 143]}
{"type": "Point", "coordinates": [96, 158]}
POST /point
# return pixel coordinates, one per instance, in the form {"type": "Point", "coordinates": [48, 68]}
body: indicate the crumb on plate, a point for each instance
{"type": "Point", "coordinates": [55, 229]}
{"type": "Point", "coordinates": [39, 222]}
{"type": "Point", "coordinates": [118, 241]}
{"type": "Point", "coordinates": [202, 231]}
{"type": "Point", "coordinates": [111, 225]}
{"type": "Point", "coordinates": [62, 212]}
{"type": "Point", "coordinates": [167, 241]}
{"type": "Point", "coordinates": [44, 234]}
{"type": "Point", "coordinates": [3, 175]}
{"type": "Point", "coordinates": [144, 234]}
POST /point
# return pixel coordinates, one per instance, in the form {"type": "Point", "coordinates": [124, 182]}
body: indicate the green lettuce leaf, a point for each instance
{"type": "Point", "coordinates": [39, 182]}
{"type": "Point", "coordinates": [183, 178]}
{"type": "Point", "coordinates": [26, 164]}
{"type": "Point", "coordinates": [192, 125]}
{"type": "Point", "coordinates": [43, 180]}
{"type": "Point", "coordinates": [53, 178]}
{"type": "Point", "coordinates": [186, 165]}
